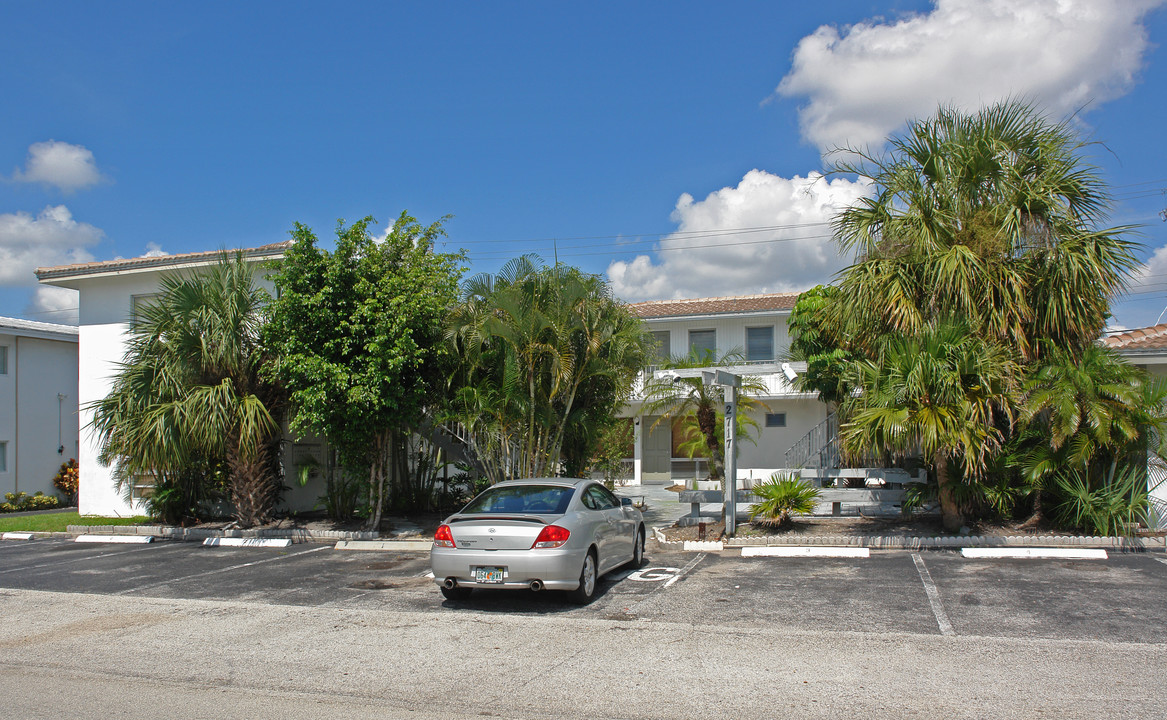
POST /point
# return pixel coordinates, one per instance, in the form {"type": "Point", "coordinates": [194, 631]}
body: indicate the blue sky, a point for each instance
{"type": "Point", "coordinates": [673, 147]}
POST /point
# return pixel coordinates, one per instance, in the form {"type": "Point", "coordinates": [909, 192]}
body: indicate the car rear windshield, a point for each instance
{"type": "Point", "coordinates": [533, 499]}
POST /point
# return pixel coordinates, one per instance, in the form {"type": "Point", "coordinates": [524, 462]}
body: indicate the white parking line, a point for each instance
{"type": "Point", "coordinates": [170, 581]}
{"type": "Point", "coordinates": [86, 558]}
{"type": "Point", "coordinates": [1162, 560]}
{"type": "Point", "coordinates": [933, 596]}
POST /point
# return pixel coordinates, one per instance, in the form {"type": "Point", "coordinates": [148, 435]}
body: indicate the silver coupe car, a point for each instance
{"type": "Point", "coordinates": [543, 533]}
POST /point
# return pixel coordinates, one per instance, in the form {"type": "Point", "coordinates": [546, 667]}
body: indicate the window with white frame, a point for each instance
{"type": "Point", "coordinates": [702, 343]}
{"type": "Point", "coordinates": [760, 343]}
{"type": "Point", "coordinates": [3, 359]}
{"type": "Point", "coordinates": [3, 457]}
{"type": "Point", "coordinates": [138, 303]}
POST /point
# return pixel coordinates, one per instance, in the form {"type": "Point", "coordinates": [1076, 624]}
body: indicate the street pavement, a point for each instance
{"type": "Point", "coordinates": [308, 631]}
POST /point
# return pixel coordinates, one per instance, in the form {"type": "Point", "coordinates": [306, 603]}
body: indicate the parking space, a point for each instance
{"type": "Point", "coordinates": [1118, 599]}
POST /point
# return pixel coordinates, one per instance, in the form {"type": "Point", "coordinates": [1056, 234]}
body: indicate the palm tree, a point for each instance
{"type": "Point", "coordinates": [992, 218]}
{"type": "Point", "coordinates": [548, 355]}
{"type": "Point", "coordinates": [1089, 414]}
{"type": "Point", "coordinates": [189, 393]}
{"type": "Point", "coordinates": [943, 394]}
{"type": "Point", "coordinates": [690, 398]}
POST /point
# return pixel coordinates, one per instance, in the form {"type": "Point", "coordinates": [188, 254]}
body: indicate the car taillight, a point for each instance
{"type": "Point", "coordinates": [552, 536]}
{"type": "Point", "coordinates": [443, 537]}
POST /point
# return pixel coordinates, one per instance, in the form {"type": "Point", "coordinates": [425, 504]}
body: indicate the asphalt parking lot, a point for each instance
{"type": "Point", "coordinates": [1120, 599]}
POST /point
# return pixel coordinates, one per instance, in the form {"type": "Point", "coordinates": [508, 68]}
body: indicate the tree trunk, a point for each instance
{"type": "Point", "coordinates": [707, 423]}
{"type": "Point", "coordinates": [251, 486]}
{"type": "Point", "coordinates": [949, 510]}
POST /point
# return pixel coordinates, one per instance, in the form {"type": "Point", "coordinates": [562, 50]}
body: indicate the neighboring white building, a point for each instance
{"type": "Point", "coordinates": [1147, 348]}
{"type": "Point", "coordinates": [755, 326]}
{"type": "Point", "coordinates": [108, 291]}
{"type": "Point", "coordinates": [38, 403]}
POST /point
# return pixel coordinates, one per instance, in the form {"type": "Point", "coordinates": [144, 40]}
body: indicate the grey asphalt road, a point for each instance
{"type": "Point", "coordinates": [309, 631]}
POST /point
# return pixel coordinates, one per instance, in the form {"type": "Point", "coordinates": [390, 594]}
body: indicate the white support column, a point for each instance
{"type": "Point", "coordinates": [637, 449]}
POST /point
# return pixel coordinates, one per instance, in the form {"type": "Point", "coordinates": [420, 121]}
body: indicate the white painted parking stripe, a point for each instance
{"type": "Point", "coordinates": [170, 581]}
{"type": "Point", "coordinates": [86, 558]}
{"type": "Point", "coordinates": [933, 596]}
{"type": "Point", "coordinates": [1162, 560]}
{"type": "Point", "coordinates": [115, 539]}
{"type": "Point", "coordinates": [1036, 553]}
{"type": "Point", "coordinates": [247, 542]}
{"type": "Point", "coordinates": [806, 551]}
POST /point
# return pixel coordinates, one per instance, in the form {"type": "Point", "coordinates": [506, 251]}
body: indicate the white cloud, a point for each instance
{"type": "Point", "coordinates": [68, 167]}
{"type": "Point", "coordinates": [54, 305]}
{"type": "Point", "coordinates": [787, 247]}
{"type": "Point", "coordinates": [51, 238]}
{"type": "Point", "coordinates": [862, 82]}
{"type": "Point", "coordinates": [153, 249]}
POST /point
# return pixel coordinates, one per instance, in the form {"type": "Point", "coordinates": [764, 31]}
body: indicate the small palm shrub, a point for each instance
{"type": "Point", "coordinates": [1110, 509]}
{"type": "Point", "coordinates": [783, 496]}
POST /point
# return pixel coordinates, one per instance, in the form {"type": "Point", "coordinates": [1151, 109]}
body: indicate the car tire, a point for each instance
{"type": "Point", "coordinates": [588, 577]}
{"type": "Point", "coordinates": [457, 593]}
{"type": "Point", "coordinates": [638, 549]}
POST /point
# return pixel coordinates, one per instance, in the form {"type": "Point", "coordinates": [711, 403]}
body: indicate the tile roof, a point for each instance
{"type": "Point", "coordinates": [1149, 338]}
{"type": "Point", "coordinates": [138, 263]}
{"type": "Point", "coordinates": [37, 328]}
{"type": "Point", "coordinates": [715, 306]}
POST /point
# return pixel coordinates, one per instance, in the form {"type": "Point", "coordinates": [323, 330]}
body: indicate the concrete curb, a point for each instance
{"type": "Point", "coordinates": [384, 545]}
{"type": "Point", "coordinates": [200, 534]}
{"type": "Point", "coordinates": [957, 541]}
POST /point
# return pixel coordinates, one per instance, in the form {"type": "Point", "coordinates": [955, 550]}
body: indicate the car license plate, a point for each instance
{"type": "Point", "coordinates": [489, 574]}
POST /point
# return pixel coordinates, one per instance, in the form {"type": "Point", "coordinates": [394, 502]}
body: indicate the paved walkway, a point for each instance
{"type": "Point", "coordinates": [663, 508]}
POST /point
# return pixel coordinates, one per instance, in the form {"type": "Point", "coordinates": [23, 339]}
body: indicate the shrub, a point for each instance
{"type": "Point", "coordinates": [68, 479]}
{"type": "Point", "coordinates": [783, 496]}
{"type": "Point", "coordinates": [22, 502]}
{"type": "Point", "coordinates": [1113, 508]}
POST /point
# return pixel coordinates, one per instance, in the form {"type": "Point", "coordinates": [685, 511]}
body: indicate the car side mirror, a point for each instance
{"type": "Point", "coordinates": [626, 502]}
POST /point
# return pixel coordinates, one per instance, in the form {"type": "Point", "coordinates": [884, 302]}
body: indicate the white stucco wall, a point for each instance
{"type": "Point", "coordinates": [105, 306]}
{"type": "Point", "coordinates": [730, 331]}
{"type": "Point", "coordinates": [34, 423]}
{"type": "Point", "coordinates": [102, 348]}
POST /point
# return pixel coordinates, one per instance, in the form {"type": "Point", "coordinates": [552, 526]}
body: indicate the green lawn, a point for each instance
{"type": "Point", "coordinates": [59, 522]}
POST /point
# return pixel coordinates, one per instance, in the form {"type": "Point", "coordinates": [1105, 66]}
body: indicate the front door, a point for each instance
{"type": "Point", "coordinates": [656, 463]}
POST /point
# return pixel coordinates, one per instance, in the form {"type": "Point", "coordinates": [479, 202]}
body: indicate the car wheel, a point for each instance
{"type": "Point", "coordinates": [457, 593]}
{"type": "Point", "coordinates": [587, 581]}
{"type": "Point", "coordinates": [638, 548]}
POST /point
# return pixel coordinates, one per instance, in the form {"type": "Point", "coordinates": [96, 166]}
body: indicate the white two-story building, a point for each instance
{"type": "Point", "coordinates": [755, 327]}
{"type": "Point", "coordinates": [108, 292]}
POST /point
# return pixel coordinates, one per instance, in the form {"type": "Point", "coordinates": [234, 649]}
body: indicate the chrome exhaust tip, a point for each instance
{"type": "Point", "coordinates": [450, 583]}
{"type": "Point", "coordinates": [536, 585]}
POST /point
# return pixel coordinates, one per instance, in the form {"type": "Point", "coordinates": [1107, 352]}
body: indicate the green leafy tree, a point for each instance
{"type": "Point", "coordinates": [994, 218]}
{"type": "Point", "coordinates": [815, 339]}
{"type": "Point", "coordinates": [358, 340]}
{"type": "Point", "coordinates": [943, 394]}
{"type": "Point", "coordinates": [548, 358]}
{"type": "Point", "coordinates": [189, 397]}
{"type": "Point", "coordinates": [690, 397]}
